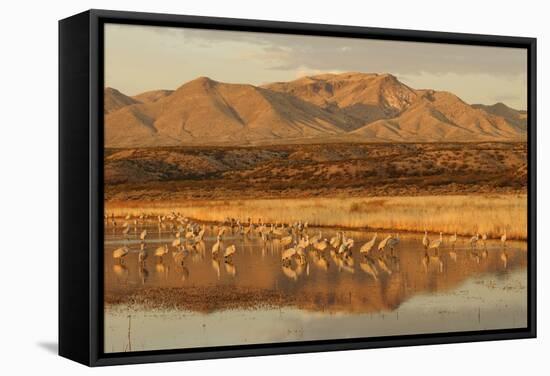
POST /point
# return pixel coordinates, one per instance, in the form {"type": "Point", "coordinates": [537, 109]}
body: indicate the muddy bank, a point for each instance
{"type": "Point", "coordinates": [209, 299]}
{"type": "Point", "coordinates": [201, 299]}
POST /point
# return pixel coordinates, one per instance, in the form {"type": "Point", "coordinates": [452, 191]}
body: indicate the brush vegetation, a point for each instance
{"type": "Point", "coordinates": [465, 215]}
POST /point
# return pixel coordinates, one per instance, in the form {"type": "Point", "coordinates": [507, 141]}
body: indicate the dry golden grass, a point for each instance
{"type": "Point", "coordinates": [490, 214]}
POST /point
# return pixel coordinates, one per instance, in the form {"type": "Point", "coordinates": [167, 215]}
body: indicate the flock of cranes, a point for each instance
{"type": "Point", "coordinates": [296, 241]}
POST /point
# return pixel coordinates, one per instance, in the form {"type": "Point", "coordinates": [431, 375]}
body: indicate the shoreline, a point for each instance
{"type": "Point", "coordinates": [463, 214]}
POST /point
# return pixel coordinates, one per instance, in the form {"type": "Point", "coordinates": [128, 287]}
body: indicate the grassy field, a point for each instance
{"type": "Point", "coordinates": [490, 214]}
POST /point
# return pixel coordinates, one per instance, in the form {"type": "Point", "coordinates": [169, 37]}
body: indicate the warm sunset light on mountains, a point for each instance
{"type": "Point", "coordinates": [348, 107]}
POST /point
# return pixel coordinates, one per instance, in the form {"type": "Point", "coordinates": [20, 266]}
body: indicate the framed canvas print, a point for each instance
{"type": "Point", "coordinates": [239, 187]}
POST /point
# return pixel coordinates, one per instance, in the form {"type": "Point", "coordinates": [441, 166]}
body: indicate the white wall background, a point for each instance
{"type": "Point", "coordinates": [28, 184]}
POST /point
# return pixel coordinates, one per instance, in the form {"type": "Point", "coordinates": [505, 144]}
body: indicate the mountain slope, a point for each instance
{"type": "Point", "coordinates": [367, 97]}
{"type": "Point", "coordinates": [511, 115]}
{"type": "Point", "coordinates": [354, 107]}
{"type": "Point", "coordinates": [115, 100]}
{"type": "Point", "coordinates": [442, 116]}
{"type": "Point", "coordinates": [205, 111]}
{"type": "Point", "coordinates": [152, 96]}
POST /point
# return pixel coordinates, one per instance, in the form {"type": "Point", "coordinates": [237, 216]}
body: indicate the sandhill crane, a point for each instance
{"type": "Point", "coordinates": [287, 254]}
{"type": "Point", "coordinates": [366, 248]}
{"type": "Point", "coordinates": [452, 240]}
{"type": "Point", "coordinates": [304, 242]}
{"type": "Point", "coordinates": [142, 255]}
{"type": "Point", "coordinates": [200, 246]}
{"type": "Point", "coordinates": [473, 240]}
{"type": "Point", "coordinates": [426, 240]}
{"type": "Point", "coordinates": [321, 245]}
{"type": "Point", "coordinates": [301, 255]}
{"type": "Point", "coordinates": [229, 251]}
{"type": "Point", "coordinates": [119, 253]}
{"type": "Point", "coordinates": [316, 238]}
{"type": "Point", "coordinates": [383, 243]}
{"type": "Point", "coordinates": [345, 246]}
{"type": "Point", "coordinates": [161, 251]}
{"type": "Point", "coordinates": [217, 246]}
{"type": "Point", "coordinates": [436, 244]}
{"type": "Point", "coordinates": [336, 240]}
{"type": "Point", "coordinates": [179, 257]}
{"type": "Point", "coordinates": [484, 238]}
{"type": "Point", "coordinates": [277, 231]}
{"type": "Point", "coordinates": [393, 242]}
{"type": "Point", "coordinates": [199, 237]}
{"type": "Point", "coordinates": [143, 235]}
{"type": "Point", "coordinates": [125, 231]}
{"type": "Point", "coordinates": [286, 241]}
{"type": "Point", "coordinates": [176, 243]}
{"type": "Point", "coordinates": [503, 239]}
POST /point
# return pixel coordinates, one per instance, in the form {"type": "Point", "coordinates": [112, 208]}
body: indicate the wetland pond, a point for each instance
{"type": "Point", "coordinates": [253, 298]}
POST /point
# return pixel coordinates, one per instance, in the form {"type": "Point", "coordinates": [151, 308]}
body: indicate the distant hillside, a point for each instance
{"type": "Point", "coordinates": [115, 100]}
{"type": "Point", "coordinates": [152, 96]}
{"type": "Point", "coordinates": [516, 117]}
{"type": "Point", "coordinates": [356, 107]}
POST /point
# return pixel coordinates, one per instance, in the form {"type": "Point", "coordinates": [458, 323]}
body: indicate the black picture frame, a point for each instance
{"type": "Point", "coordinates": [81, 186]}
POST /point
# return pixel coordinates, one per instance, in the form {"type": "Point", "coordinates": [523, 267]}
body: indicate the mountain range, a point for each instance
{"type": "Point", "coordinates": [348, 107]}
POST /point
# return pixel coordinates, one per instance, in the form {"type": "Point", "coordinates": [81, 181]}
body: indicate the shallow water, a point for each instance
{"type": "Point", "coordinates": [406, 292]}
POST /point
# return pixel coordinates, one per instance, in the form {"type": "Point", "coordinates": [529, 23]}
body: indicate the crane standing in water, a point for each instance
{"type": "Point", "coordinates": [142, 255]}
{"type": "Point", "coordinates": [120, 253]}
{"type": "Point", "coordinates": [436, 244]}
{"type": "Point", "coordinates": [452, 240]}
{"type": "Point", "coordinates": [366, 248]}
{"type": "Point", "coordinates": [143, 235]}
{"type": "Point", "coordinates": [384, 242]}
{"type": "Point", "coordinates": [426, 240]}
{"type": "Point", "coordinates": [473, 240]}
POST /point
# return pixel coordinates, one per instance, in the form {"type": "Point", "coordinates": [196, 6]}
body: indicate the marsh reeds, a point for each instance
{"type": "Point", "coordinates": [465, 215]}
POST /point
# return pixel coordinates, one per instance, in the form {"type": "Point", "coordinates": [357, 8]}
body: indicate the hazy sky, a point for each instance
{"type": "Point", "coordinates": [141, 58]}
